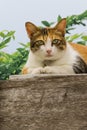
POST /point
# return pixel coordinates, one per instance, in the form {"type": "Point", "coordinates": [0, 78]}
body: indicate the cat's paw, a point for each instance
{"type": "Point", "coordinates": [52, 70]}
{"type": "Point", "coordinates": [48, 70]}
{"type": "Point", "coordinates": [39, 70]}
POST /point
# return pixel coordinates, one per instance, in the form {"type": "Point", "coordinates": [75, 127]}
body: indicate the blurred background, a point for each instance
{"type": "Point", "coordinates": [14, 14]}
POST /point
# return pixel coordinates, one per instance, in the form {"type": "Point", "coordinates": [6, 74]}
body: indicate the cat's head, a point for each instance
{"type": "Point", "coordinates": [47, 43]}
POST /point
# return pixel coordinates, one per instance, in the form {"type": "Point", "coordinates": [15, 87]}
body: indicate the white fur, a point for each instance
{"type": "Point", "coordinates": [60, 61]}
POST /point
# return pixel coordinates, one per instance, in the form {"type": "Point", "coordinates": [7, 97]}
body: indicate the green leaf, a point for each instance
{"type": "Point", "coordinates": [82, 42]}
{"type": "Point", "coordinates": [4, 43]}
{"type": "Point", "coordinates": [69, 29]}
{"type": "Point", "coordinates": [13, 37]}
{"type": "Point", "coordinates": [2, 46]}
{"type": "Point", "coordinates": [2, 34]}
{"type": "Point", "coordinates": [73, 37]}
{"type": "Point", "coordinates": [51, 23]}
{"type": "Point", "coordinates": [27, 45]}
{"type": "Point", "coordinates": [84, 38]}
{"type": "Point", "coordinates": [22, 44]}
{"type": "Point", "coordinates": [11, 33]}
{"type": "Point", "coordinates": [46, 23]}
{"type": "Point", "coordinates": [59, 18]}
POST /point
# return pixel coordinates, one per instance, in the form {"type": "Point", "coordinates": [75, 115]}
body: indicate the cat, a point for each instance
{"type": "Point", "coordinates": [51, 54]}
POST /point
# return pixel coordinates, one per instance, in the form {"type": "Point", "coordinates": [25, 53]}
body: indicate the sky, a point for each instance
{"type": "Point", "coordinates": [14, 14]}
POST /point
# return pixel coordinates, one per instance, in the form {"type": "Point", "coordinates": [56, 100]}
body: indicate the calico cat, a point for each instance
{"type": "Point", "coordinates": [51, 54]}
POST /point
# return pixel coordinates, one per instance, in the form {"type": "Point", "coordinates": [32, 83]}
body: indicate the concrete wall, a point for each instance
{"type": "Point", "coordinates": [44, 102]}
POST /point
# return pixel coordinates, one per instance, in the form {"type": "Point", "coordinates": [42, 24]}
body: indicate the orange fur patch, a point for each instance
{"type": "Point", "coordinates": [81, 49]}
{"type": "Point", "coordinates": [25, 70]}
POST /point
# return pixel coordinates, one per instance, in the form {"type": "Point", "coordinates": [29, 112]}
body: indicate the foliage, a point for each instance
{"type": "Point", "coordinates": [5, 37]}
{"type": "Point", "coordinates": [78, 38]}
{"type": "Point", "coordinates": [11, 64]}
{"type": "Point", "coordinates": [71, 20]}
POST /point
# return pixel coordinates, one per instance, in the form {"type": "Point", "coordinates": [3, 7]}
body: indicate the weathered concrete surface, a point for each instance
{"type": "Point", "coordinates": [44, 102]}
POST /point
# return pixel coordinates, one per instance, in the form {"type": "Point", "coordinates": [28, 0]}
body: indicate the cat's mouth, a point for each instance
{"type": "Point", "coordinates": [49, 55]}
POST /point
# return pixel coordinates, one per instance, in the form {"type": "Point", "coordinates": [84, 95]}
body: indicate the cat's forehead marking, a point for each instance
{"type": "Point", "coordinates": [47, 34]}
{"type": "Point", "coordinates": [44, 31]}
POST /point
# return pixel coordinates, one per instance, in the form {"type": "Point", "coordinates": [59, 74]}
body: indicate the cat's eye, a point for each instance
{"type": "Point", "coordinates": [56, 41]}
{"type": "Point", "coordinates": [39, 42]}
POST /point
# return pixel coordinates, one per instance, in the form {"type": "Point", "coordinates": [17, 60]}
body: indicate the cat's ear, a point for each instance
{"type": "Point", "coordinates": [61, 26]}
{"type": "Point", "coordinates": [31, 29]}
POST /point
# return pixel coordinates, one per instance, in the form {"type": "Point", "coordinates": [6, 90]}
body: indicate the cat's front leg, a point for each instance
{"type": "Point", "coordinates": [49, 70]}
{"type": "Point", "coordinates": [65, 69]}
{"type": "Point", "coordinates": [28, 70]}
{"type": "Point", "coordinates": [39, 70]}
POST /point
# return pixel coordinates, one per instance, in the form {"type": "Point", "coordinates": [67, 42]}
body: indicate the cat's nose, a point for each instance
{"type": "Point", "coordinates": [49, 51]}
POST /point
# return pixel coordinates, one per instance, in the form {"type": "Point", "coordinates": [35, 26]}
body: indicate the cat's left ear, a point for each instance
{"type": "Point", "coordinates": [61, 26]}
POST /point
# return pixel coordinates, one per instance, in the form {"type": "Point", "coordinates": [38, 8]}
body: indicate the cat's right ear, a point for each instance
{"type": "Point", "coordinates": [31, 29]}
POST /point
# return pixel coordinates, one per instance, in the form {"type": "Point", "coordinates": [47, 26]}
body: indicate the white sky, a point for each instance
{"type": "Point", "coordinates": [14, 14]}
